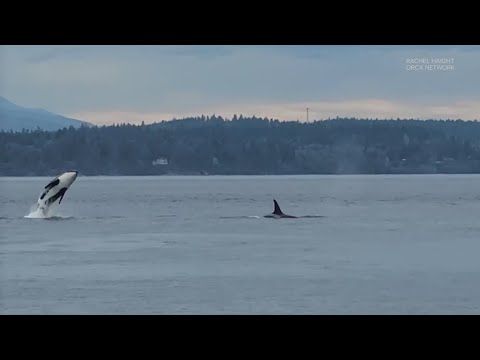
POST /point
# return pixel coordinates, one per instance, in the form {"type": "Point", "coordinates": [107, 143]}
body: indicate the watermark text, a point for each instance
{"type": "Point", "coordinates": [430, 64]}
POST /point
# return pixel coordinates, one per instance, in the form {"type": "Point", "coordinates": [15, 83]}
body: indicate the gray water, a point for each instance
{"type": "Point", "coordinates": [200, 245]}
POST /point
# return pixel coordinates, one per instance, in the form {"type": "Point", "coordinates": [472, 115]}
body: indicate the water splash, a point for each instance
{"type": "Point", "coordinates": [37, 212]}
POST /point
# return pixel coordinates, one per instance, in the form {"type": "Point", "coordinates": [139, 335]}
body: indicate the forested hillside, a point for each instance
{"type": "Point", "coordinates": [212, 145]}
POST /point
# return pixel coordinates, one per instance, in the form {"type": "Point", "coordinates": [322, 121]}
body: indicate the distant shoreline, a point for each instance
{"type": "Point", "coordinates": [248, 146]}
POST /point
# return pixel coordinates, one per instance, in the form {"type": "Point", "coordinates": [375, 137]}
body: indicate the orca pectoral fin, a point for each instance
{"type": "Point", "coordinates": [55, 197]}
{"type": "Point", "coordinates": [61, 198]}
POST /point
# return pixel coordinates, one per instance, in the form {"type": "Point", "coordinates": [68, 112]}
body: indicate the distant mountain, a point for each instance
{"type": "Point", "coordinates": [15, 117]}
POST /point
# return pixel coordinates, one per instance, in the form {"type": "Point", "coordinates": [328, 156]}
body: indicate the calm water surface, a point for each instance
{"type": "Point", "coordinates": [199, 245]}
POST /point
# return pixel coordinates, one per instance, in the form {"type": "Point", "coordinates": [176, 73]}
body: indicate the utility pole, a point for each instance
{"type": "Point", "coordinates": [307, 114]}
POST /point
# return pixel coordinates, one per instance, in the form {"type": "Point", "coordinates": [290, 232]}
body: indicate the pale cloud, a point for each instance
{"type": "Point", "coordinates": [127, 117]}
{"type": "Point", "coordinates": [319, 110]}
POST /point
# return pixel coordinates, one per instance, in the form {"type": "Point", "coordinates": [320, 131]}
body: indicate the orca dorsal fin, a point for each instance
{"type": "Point", "coordinates": [277, 210]}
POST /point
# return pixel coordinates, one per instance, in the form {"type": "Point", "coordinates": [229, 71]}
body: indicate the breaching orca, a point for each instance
{"type": "Point", "coordinates": [55, 190]}
{"type": "Point", "coordinates": [277, 213]}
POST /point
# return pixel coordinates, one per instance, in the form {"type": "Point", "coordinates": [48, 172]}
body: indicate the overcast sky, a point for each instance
{"type": "Point", "coordinates": [115, 84]}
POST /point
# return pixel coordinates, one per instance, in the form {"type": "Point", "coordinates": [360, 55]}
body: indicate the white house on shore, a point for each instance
{"type": "Point", "coordinates": [160, 161]}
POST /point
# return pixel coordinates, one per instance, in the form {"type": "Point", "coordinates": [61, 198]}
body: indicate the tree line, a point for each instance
{"type": "Point", "coordinates": [247, 145]}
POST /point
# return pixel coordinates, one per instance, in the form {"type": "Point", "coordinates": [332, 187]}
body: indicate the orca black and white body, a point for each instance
{"type": "Point", "coordinates": [55, 190]}
{"type": "Point", "coordinates": [278, 214]}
